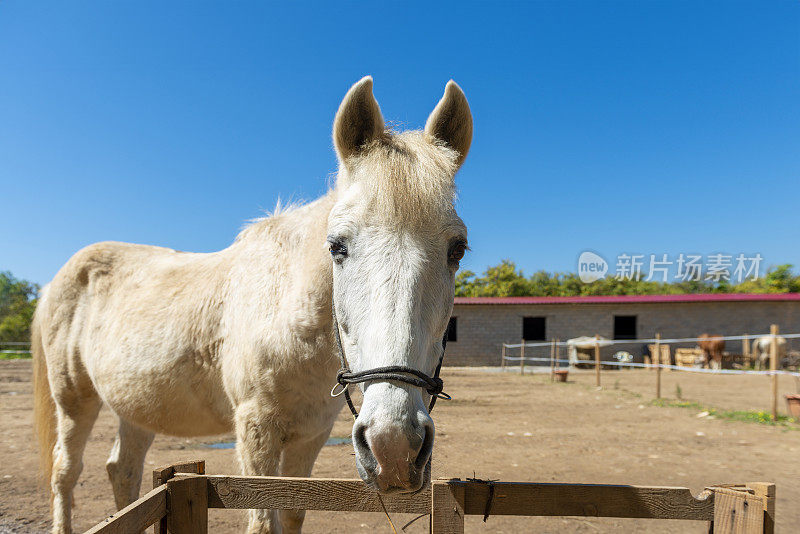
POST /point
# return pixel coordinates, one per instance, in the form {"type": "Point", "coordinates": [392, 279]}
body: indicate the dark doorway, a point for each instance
{"type": "Point", "coordinates": [452, 329]}
{"type": "Point", "coordinates": [624, 327]}
{"type": "Point", "coordinates": [533, 328]}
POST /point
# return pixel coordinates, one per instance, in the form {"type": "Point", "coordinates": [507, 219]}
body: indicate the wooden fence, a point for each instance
{"type": "Point", "coordinates": [658, 359]}
{"type": "Point", "coordinates": [183, 493]}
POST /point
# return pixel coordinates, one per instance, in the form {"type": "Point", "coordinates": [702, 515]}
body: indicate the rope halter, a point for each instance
{"type": "Point", "coordinates": [398, 373]}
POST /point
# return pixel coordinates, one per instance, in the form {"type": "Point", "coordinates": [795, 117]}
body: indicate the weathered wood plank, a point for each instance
{"type": "Point", "coordinates": [766, 491]}
{"type": "Point", "coordinates": [136, 516]}
{"type": "Point", "coordinates": [183, 500]}
{"type": "Point", "coordinates": [590, 500]}
{"type": "Point", "coordinates": [162, 474]}
{"type": "Point", "coordinates": [511, 498]}
{"type": "Point", "coordinates": [447, 508]}
{"type": "Point", "coordinates": [287, 493]}
{"type": "Point", "coordinates": [187, 502]}
{"type": "Point", "coordinates": [737, 512]}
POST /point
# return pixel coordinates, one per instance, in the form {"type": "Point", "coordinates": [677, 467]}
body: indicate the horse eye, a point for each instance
{"type": "Point", "coordinates": [457, 253]}
{"type": "Point", "coordinates": [338, 249]}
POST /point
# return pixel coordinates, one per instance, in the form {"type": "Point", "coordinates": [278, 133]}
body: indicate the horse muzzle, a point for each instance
{"type": "Point", "coordinates": [393, 458]}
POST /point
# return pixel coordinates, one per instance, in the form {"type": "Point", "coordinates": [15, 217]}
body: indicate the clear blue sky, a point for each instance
{"type": "Point", "coordinates": [644, 127]}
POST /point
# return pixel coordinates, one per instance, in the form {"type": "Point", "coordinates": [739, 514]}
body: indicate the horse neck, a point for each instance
{"type": "Point", "coordinates": [302, 272]}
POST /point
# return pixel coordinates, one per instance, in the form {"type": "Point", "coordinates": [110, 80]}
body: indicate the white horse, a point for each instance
{"type": "Point", "coordinates": [761, 351]}
{"type": "Point", "coordinates": [241, 339]}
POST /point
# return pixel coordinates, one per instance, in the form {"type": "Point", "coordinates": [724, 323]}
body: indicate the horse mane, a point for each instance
{"type": "Point", "coordinates": [406, 177]}
{"type": "Point", "coordinates": [259, 224]}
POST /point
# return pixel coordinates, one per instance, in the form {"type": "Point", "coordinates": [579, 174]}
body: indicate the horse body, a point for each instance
{"type": "Point", "coordinates": [182, 344]}
{"type": "Point", "coordinates": [160, 333]}
{"type": "Point", "coordinates": [712, 347]}
{"type": "Point", "coordinates": [147, 345]}
{"type": "Point", "coordinates": [241, 339]}
{"type": "Point", "coordinates": [761, 351]}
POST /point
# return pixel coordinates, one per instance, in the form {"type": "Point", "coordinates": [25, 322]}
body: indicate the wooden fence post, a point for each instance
{"type": "Point", "coordinates": [522, 357]}
{"type": "Point", "coordinates": [657, 357]}
{"type": "Point", "coordinates": [187, 505]}
{"type": "Point", "coordinates": [503, 358]}
{"type": "Point", "coordinates": [746, 350]}
{"type": "Point", "coordinates": [447, 508]}
{"type": "Point", "coordinates": [737, 511]}
{"type": "Point", "coordinates": [552, 360]}
{"type": "Point", "coordinates": [773, 366]}
{"type": "Point", "coordinates": [766, 491]}
{"type": "Point", "coordinates": [163, 474]}
{"type": "Point", "coordinates": [597, 359]}
{"type": "Point", "coordinates": [558, 353]}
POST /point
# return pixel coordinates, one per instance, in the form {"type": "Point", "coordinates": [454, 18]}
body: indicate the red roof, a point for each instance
{"type": "Point", "coordinates": [642, 299]}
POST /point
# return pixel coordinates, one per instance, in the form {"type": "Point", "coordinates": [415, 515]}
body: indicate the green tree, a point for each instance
{"type": "Point", "coordinates": [17, 303]}
{"type": "Point", "coordinates": [693, 286]}
{"type": "Point", "coordinates": [505, 280]}
{"type": "Point", "coordinates": [544, 284]}
{"type": "Point", "coordinates": [497, 281]}
{"type": "Point", "coordinates": [779, 279]}
{"type": "Point", "coordinates": [465, 284]}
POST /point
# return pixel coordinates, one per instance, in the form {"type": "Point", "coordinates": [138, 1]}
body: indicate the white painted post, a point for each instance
{"type": "Point", "coordinates": [773, 366]}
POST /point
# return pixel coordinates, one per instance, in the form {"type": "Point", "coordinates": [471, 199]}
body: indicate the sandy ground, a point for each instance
{"type": "Point", "coordinates": [499, 426]}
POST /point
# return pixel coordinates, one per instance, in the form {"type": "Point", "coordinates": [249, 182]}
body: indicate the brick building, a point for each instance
{"type": "Point", "coordinates": [481, 324]}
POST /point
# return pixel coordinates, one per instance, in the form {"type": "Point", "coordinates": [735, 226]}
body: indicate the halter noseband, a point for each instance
{"type": "Point", "coordinates": [431, 384]}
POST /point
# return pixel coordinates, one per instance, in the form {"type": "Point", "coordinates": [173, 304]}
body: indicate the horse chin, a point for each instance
{"type": "Point", "coordinates": [419, 480]}
{"type": "Point", "coordinates": [424, 480]}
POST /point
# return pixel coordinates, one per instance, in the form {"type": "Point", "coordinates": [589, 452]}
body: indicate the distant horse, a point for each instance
{"type": "Point", "coordinates": [712, 347]}
{"type": "Point", "coordinates": [243, 339]}
{"type": "Point", "coordinates": [761, 351]}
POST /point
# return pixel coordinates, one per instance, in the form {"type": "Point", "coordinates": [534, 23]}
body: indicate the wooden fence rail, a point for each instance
{"type": "Point", "coordinates": [183, 494]}
{"type": "Point", "coordinates": [136, 516]}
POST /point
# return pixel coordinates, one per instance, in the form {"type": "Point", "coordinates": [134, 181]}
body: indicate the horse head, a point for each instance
{"type": "Point", "coordinates": [395, 241]}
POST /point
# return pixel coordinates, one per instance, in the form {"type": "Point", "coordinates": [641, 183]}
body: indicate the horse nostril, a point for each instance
{"type": "Point", "coordinates": [427, 446]}
{"type": "Point", "coordinates": [360, 437]}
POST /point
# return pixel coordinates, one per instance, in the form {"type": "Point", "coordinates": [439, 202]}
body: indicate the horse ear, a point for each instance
{"type": "Point", "coordinates": [451, 121]}
{"type": "Point", "coordinates": [358, 120]}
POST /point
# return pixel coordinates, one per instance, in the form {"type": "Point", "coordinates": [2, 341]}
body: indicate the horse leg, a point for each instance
{"type": "Point", "coordinates": [74, 423]}
{"type": "Point", "coordinates": [258, 444]}
{"type": "Point", "coordinates": [297, 460]}
{"type": "Point", "coordinates": [126, 463]}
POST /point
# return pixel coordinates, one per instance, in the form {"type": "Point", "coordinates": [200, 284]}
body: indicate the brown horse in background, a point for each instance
{"type": "Point", "coordinates": [712, 347]}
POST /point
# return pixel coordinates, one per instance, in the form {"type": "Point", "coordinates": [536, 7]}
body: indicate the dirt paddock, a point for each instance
{"type": "Point", "coordinates": [499, 426]}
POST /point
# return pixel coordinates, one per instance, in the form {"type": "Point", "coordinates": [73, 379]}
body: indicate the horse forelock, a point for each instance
{"type": "Point", "coordinates": [404, 177]}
